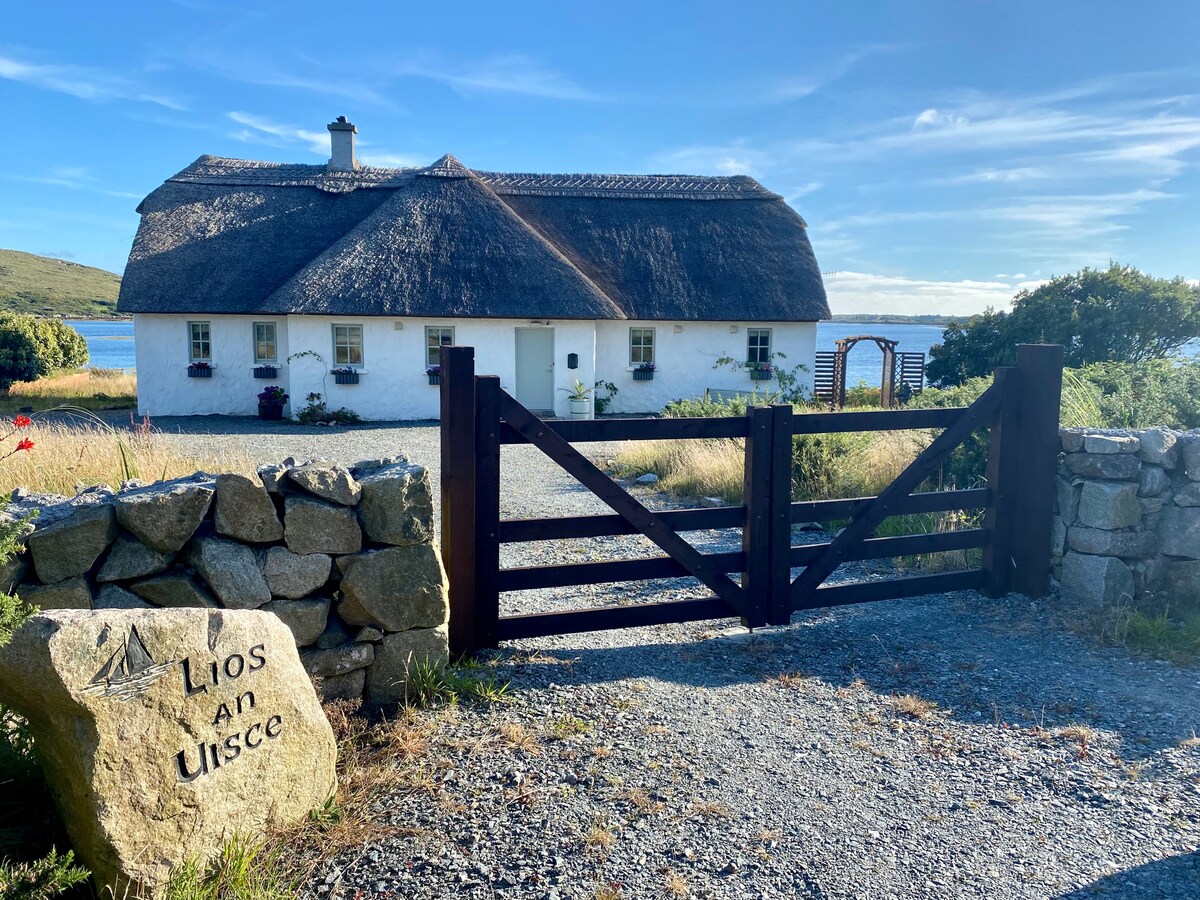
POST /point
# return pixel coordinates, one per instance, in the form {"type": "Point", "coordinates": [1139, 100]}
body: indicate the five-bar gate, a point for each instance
{"type": "Point", "coordinates": [1020, 410]}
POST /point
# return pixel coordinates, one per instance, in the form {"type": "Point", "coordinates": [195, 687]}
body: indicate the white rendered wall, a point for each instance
{"type": "Point", "coordinates": [393, 384]}
{"type": "Point", "coordinates": [162, 350]}
{"type": "Point", "coordinates": [684, 360]}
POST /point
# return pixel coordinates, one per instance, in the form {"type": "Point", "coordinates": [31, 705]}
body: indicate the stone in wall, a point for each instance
{"type": "Point", "coordinates": [1096, 579]}
{"type": "Point", "coordinates": [1109, 505]}
{"type": "Point", "coordinates": [372, 581]}
{"type": "Point", "coordinates": [397, 505]}
{"type": "Point", "coordinates": [1159, 447]}
{"type": "Point", "coordinates": [311, 526]}
{"type": "Point", "coordinates": [245, 510]}
{"type": "Point", "coordinates": [71, 545]}
{"type": "Point", "coordinates": [1179, 532]}
{"type": "Point", "coordinates": [165, 516]}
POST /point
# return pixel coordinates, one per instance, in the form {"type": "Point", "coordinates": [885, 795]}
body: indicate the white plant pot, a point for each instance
{"type": "Point", "coordinates": [581, 409]}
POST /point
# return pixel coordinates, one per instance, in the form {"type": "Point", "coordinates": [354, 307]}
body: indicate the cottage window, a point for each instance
{"type": "Point", "coordinates": [437, 337]}
{"type": "Point", "coordinates": [265, 348]}
{"type": "Point", "coordinates": [201, 342]}
{"type": "Point", "coordinates": [347, 345]}
{"type": "Point", "coordinates": [758, 346]}
{"type": "Point", "coordinates": [641, 346]}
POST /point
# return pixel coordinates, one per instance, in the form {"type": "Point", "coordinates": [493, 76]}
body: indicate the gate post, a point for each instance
{"type": "Point", "coordinates": [779, 597]}
{"type": "Point", "coordinates": [487, 510]}
{"type": "Point", "coordinates": [1041, 396]}
{"type": "Point", "coordinates": [1022, 457]}
{"type": "Point", "coordinates": [458, 493]}
{"type": "Point", "coordinates": [757, 525]}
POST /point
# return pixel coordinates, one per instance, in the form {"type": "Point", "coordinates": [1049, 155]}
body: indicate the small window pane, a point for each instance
{"type": "Point", "coordinates": [758, 346]}
{"type": "Point", "coordinates": [436, 337]}
{"type": "Point", "coordinates": [200, 341]}
{"type": "Point", "coordinates": [264, 342]}
{"type": "Point", "coordinates": [347, 345]}
{"type": "Point", "coordinates": [641, 346]}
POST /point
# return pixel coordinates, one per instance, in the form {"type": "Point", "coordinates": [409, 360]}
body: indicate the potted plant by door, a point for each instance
{"type": "Point", "coordinates": [644, 372]}
{"type": "Point", "coordinates": [581, 400]}
{"type": "Point", "coordinates": [271, 401]}
{"type": "Point", "coordinates": [435, 374]}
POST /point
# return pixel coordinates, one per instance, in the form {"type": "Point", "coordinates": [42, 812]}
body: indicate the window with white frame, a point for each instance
{"type": "Point", "coordinates": [265, 348]}
{"type": "Point", "coordinates": [641, 346]}
{"type": "Point", "coordinates": [347, 345]}
{"type": "Point", "coordinates": [200, 338]}
{"type": "Point", "coordinates": [758, 346]}
{"type": "Point", "coordinates": [437, 337]}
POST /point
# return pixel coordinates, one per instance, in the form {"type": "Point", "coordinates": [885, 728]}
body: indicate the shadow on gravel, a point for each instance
{"type": "Point", "coordinates": [963, 652]}
{"type": "Point", "coordinates": [1174, 878]}
{"type": "Point", "coordinates": [218, 425]}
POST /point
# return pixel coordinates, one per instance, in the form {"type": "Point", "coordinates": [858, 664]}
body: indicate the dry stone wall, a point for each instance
{"type": "Point", "coordinates": [1127, 514]}
{"type": "Point", "coordinates": [344, 556]}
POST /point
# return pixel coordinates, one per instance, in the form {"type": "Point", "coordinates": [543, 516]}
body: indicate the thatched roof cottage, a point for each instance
{"type": "Point", "coordinates": [238, 266]}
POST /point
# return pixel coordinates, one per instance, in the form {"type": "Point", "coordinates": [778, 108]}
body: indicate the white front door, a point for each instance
{"type": "Point", "coordinates": [535, 369]}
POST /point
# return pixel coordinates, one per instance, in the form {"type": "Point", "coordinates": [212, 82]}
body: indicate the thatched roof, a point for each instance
{"type": "Point", "coordinates": [231, 236]}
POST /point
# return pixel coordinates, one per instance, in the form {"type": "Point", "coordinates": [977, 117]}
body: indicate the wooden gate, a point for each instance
{"type": "Point", "coordinates": [1020, 410]}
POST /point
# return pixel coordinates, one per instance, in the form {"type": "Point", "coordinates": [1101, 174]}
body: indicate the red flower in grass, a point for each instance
{"type": "Point", "coordinates": [22, 421]}
{"type": "Point", "coordinates": [25, 444]}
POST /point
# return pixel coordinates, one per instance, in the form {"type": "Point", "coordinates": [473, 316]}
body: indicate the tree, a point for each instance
{"type": "Point", "coordinates": [61, 346]}
{"type": "Point", "coordinates": [971, 349]}
{"type": "Point", "coordinates": [1098, 315]}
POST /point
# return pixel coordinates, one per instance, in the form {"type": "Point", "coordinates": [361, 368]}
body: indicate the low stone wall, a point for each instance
{"type": "Point", "coordinates": [344, 556]}
{"type": "Point", "coordinates": [1127, 514]}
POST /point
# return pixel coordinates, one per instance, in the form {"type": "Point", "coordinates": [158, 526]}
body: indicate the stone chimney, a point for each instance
{"type": "Point", "coordinates": [341, 139]}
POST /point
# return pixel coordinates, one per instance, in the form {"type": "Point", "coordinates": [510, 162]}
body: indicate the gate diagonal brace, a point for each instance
{"type": "Point", "coordinates": [863, 524]}
{"type": "Point", "coordinates": [542, 436]}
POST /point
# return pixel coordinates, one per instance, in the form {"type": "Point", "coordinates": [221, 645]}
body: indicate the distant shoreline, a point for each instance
{"type": "Point", "coordinates": [883, 319]}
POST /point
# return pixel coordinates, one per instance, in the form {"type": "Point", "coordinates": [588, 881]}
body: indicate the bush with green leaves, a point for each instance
{"type": "Point", "coordinates": [34, 348]}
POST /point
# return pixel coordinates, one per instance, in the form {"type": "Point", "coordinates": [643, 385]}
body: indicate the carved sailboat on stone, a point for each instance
{"type": "Point", "coordinates": [129, 672]}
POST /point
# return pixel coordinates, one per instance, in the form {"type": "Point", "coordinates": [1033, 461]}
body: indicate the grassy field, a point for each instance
{"type": "Point", "coordinates": [43, 286]}
{"type": "Point", "coordinates": [89, 452]}
{"type": "Point", "coordinates": [91, 389]}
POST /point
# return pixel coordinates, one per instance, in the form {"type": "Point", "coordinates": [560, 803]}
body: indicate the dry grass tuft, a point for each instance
{"type": "Point", "coordinates": [600, 838]}
{"type": "Point", "coordinates": [675, 885]}
{"type": "Point", "coordinates": [1082, 735]}
{"type": "Point", "coordinates": [701, 809]}
{"type": "Point", "coordinates": [92, 388]}
{"type": "Point", "coordinates": [90, 452]}
{"type": "Point", "coordinates": [792, 680]}
{"type": "Point", "coordinates": [914, 707]}
{"type": "Point", "coordinates": [517, 736]}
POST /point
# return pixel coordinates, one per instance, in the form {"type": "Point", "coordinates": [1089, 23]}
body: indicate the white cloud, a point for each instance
{"type": "Point", "coordinates": [931, 118]}
{"type": "Point", "coordinates": [390, 160]}
{"type": "Point", "coordinates": [85, 83]}
{"type": "Point", "coordinates": [510, 74]}
{"type": "Point", "coordinates": [263, 131]}
{"type": "Point", "coordinates": [861, 292]}
{"type": "Point", "coordinates": [75, 178]}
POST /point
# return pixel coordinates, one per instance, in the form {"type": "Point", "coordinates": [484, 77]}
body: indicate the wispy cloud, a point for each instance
{"type": "Point", "coordinates": [727, 159]}
{"type": "Point", "coordinates": [75, 178]}
{"type": "Point", "coordinates": [861, 292]}
{"type": "Point", "coordinates": [84, 82]}
{"type": "Point", "coordinates": [510, 74]}
{"type": "Point", "coordinates": [259, 130]}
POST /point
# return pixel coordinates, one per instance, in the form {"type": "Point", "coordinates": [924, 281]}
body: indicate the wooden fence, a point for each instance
{"type": "Point", "coordinates": [1019, 409]}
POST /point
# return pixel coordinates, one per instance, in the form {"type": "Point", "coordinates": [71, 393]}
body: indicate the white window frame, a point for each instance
{"type": "Point", "coordinates": [204, 341]}
{"type": "Point", "coordinates": [274, 342]}
{"type": "Point", "coordinates": [433, 350]}
{"type": "Point", "coordinates": [758, 354]}
{"type": "Point", "coordinates": [349, 344]}
{"type": "Point", "coordinates": [638, 345]}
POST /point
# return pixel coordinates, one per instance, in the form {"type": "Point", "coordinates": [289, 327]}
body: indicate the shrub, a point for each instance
{"type": "Point", "coordinates": [19, 356]}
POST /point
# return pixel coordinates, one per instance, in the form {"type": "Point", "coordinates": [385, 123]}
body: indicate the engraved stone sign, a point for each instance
{"type": "Point", "coordinates": [163, 733]}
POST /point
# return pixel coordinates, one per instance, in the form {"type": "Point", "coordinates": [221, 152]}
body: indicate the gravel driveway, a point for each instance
{"type": "Point", "coordinates": [946, 746]}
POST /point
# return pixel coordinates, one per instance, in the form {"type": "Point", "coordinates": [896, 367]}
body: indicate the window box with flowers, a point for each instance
{"type": "Point", "coordinates": [200, 370]}
{"type": "Point", "coordinates": [435, 374]}
{"type": "Point", "coordinates": [644, 372]}
{"type": "Point", "coordinates": [271, 401]}
{"type": "Point", "coordinates": [345, 375]}
{"type": "Point", "coordinates": [761, 372]}
{"type": "Point", "coordinates": [266, 371]}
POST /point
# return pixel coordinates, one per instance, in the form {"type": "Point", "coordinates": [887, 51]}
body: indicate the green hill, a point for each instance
{"type": "Point", "coordinates": [54, 287]}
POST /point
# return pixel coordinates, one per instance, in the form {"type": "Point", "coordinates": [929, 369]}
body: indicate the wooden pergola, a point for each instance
{"type": "Point", "coordinates": [901, 372]}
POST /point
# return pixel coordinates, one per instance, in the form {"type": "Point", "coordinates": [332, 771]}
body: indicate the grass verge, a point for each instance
{"type": "Point", "coordinates": [92, 388]}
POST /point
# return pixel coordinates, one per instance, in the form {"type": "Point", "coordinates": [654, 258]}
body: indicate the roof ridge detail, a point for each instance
{"type": "Point", "coordinates": [447, 167]}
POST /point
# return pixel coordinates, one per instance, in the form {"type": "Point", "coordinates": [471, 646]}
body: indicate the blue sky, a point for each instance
{"type": "Point", "coordinates": [944, 154]}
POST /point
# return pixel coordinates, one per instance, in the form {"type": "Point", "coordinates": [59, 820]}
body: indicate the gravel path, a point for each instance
{"type": "Point", "coordinates": [947, 746]}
